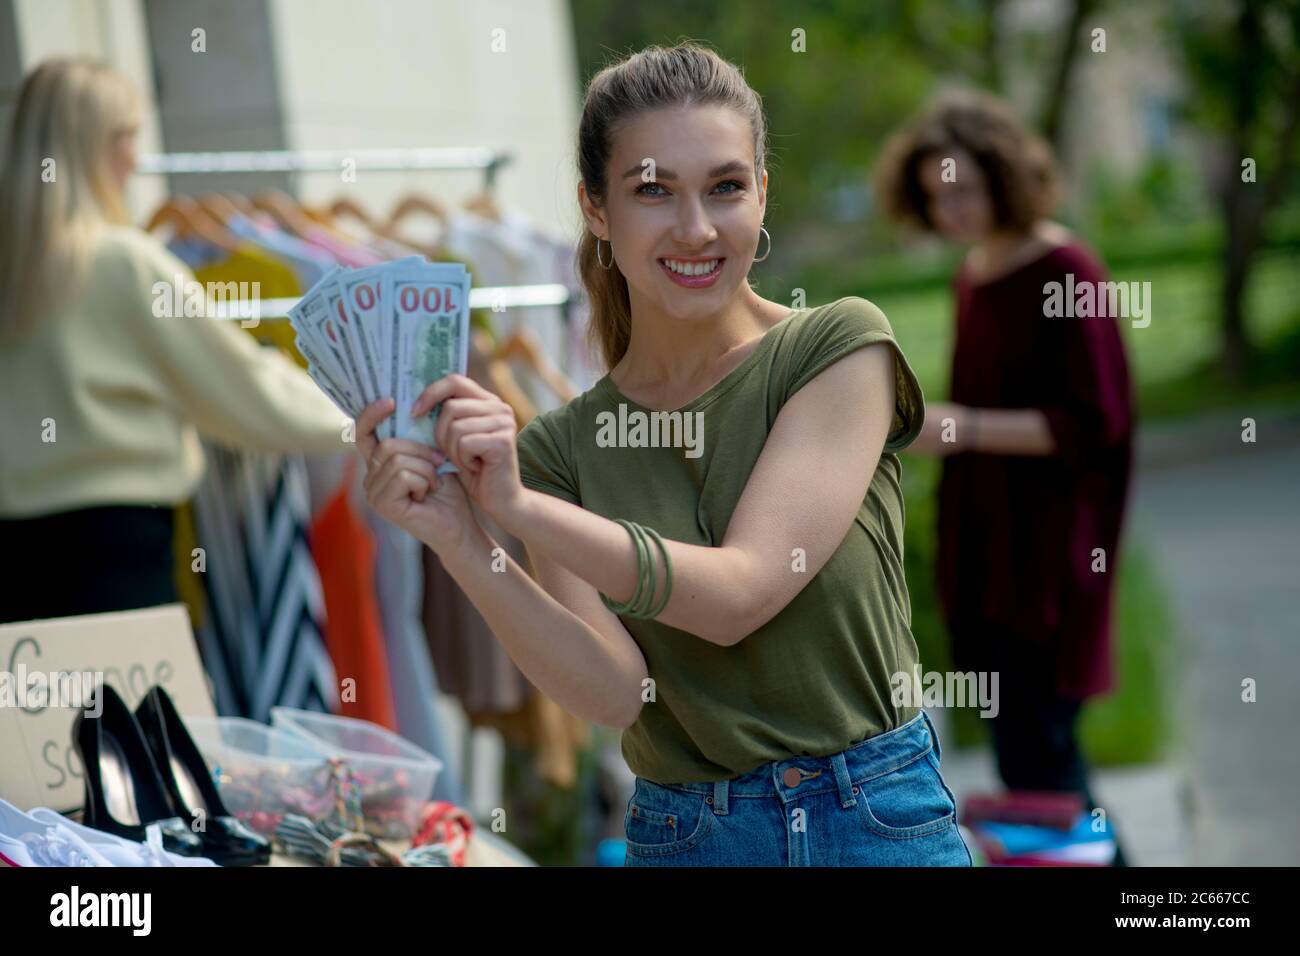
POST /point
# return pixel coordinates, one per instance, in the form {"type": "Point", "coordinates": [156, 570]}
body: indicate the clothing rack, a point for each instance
{"type": "Point", "coordinates": [482, 158]}
{"type": "Point", "coordinates": [496, 298]}
{"type": "Point", "coordinates": [489, 161]}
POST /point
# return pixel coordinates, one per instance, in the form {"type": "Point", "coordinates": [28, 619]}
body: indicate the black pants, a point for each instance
{"type": "Point", "coordinates": [113, 558]}
{"type": "Point", "coordinates": [1035, 732]}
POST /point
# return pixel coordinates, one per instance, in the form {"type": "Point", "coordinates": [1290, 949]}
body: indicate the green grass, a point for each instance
{"type": "Point", "coordinates": [1201, 388]}
{"type": "Point", "coordinates": [1181, 341]}
{"type": "Point", "coordinates": [1173, 364]}
{"type": "Point", "coordinates": [1130, 724]}
{"type": "Point", "coordinates": [1172, 359]}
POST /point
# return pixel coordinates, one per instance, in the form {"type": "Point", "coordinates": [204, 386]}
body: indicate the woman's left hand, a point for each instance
{"type": "Point", "coordinates": [402, 487]}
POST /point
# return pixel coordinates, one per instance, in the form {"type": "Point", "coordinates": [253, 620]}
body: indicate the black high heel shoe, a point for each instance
{"type": "Point", "coordinates": [124, 790]}
{"type": "Point", "coordinates": [190, 787]}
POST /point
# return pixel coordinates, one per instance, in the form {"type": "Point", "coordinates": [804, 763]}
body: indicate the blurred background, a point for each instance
{"type": "Point", "coordinates": [1150, 128]}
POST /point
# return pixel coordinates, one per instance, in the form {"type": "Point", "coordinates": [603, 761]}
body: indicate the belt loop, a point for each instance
{"type": "Point", "coordinates": [934, 737]}
{"type": "Point", "coordinates": [721, 788]}
{"type": "Point", "coordinates": [842, 779]}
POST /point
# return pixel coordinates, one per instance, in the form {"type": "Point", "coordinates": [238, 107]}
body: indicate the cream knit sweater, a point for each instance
{"type": "Point", "coordinates": [124, 394]}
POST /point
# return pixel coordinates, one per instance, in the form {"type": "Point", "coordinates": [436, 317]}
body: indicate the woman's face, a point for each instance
{"type": "Point", "coordinates": [683, 207]}
{"type": "Point", "coordinates": [957, 196]}
{"type": "Point", "coordinates": [122, 156]}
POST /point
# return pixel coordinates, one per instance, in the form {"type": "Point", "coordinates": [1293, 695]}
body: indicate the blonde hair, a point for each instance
{"type": "Point", "coordinates": [70, 112]}
{"type": "Point", "coordinates": [686, 74]}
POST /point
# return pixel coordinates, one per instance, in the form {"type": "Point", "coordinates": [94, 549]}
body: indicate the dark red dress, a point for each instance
{"type": "Point", "coordinates": [1017, 533]}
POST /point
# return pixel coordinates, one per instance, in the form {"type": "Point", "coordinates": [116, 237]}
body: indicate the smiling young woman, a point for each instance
{"type": "Point", "coordinates": [738, 607]}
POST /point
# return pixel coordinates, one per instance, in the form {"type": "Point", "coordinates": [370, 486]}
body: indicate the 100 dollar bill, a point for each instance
{"type": "Point", "coordinates": [428, 339]}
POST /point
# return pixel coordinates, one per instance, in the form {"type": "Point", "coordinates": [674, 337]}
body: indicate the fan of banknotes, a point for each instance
{"type": "Point", "coordinates": [386, 330]}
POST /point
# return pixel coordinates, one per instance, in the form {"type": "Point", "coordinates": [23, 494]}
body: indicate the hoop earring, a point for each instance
{"type": "Point", "coordinates": [611, 253]}
{"type": "Point", "coordinates": [769, 245]}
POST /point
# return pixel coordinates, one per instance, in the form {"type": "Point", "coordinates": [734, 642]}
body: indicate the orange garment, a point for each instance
{"type": "Point", "coordinates": [344, 550]}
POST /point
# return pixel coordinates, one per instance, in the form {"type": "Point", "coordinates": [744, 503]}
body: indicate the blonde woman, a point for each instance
{"type": "Point", "coordinates": [733, 597]}
{"type": "Point", "coordinates": [101, 401]}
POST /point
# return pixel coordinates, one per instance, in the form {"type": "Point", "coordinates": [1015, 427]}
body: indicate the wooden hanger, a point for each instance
{"type": "Point", "coordinates": [346, 207]}
{"type": "Point", "coordinates": [285, 210]}
{"type": "Point", "coordinates": [189, 220]}
{"type": "Point", "coordinates": [242, 203]}
{"type": "Point", "coordinates": [523, 344]}
{"type": "Point", "coordinates": [389, 230]}
{"type": "Point", "coordinates": [416, 203]}
{"type": "Point", "coordinates": [218, 207]}
{"type": "Point", "coordinates": [485, 205]}
{"type": "Point", "coordinates": [322, 217]}
{"type": "Point", "coordinates": [500, 379]}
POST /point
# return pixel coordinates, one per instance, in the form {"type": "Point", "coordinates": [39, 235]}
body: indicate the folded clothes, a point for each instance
{"type": "Point", "coordinates": [46, 838]}
{"type": "Point", "coordinates": [1044, 808]}
{"type": "Point", "coordinates": [1100, 853]}
{"type": "Point", "coordinates": [1015, 839]}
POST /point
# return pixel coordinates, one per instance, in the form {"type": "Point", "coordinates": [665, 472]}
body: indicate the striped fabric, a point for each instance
{"type": "Point", "coordinates": [261, 640]}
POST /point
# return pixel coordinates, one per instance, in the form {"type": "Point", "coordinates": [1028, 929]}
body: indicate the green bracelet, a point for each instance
{"type": "Point", "coordinates": [668, 576]}
{"type": "Point", "coordinates": [643, 569]}
{"type": "Point", "coordinates": [646, 577]}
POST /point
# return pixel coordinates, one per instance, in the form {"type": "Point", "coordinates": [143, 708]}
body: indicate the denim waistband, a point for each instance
{"type": "Point", "coordinates": [871, 758]}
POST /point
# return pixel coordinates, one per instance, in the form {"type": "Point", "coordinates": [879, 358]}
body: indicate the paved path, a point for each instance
{"type": "Point", "coordinates": [1221, 521]}
{"type": "Point", "coordinates": [1225, 534]}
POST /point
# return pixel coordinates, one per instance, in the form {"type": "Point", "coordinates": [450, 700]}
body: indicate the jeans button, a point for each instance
{"type": "Point", "coordinates": [791, 777]}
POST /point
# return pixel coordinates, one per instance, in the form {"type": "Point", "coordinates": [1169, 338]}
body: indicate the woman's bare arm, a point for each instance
{"type": "Point", "coordinates": [1010, 431]}
{"type": "Point", "coordinates": [950, 429]}
{"type": "Point", "coordinates": [595, 673]}
{"type": "Point", "coordinates": [564, 641]}
{"type": "Point", "coordinates": [804, 492]}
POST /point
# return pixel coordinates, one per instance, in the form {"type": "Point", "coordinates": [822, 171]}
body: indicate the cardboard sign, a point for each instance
{"type": "Point", "coordinates": [129, 650]}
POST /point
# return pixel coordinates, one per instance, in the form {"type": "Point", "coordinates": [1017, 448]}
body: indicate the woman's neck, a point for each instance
{"type": "Point", "coordinates": [1002, 252]}
{"type": "Point", "coordinates": [668, 357]}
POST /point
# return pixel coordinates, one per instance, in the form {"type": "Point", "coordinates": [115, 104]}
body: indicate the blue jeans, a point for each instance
{"type": "Point", "coordinates": [879, 803]}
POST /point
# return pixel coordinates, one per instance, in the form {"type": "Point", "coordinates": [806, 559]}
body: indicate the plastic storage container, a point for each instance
{"type": "Point", "coordinates": [261, 772]}
{"type": "Point", "coordinates": [396, 777]}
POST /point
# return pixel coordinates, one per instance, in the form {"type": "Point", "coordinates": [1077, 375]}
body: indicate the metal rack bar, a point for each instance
{"type": "Point", "coordinates": [496, 298]}
{"type": "Point", "coordinates": [489, 161]}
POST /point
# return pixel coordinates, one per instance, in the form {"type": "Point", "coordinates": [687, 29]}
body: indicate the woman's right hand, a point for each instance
{"type": "Point", "coordinates": [403, 487]}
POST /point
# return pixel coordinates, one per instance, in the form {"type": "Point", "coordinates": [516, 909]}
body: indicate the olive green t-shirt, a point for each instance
{"type": "Point", "coordinates": [813, 680]}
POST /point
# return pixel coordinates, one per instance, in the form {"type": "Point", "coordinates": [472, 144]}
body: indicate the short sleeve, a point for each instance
{"type": "Point", "coordinates": [542, 465]}
{"type": "Point", "coordinates": [842, 327]}
{"type": "Point", "coordinates": [1092, 412]}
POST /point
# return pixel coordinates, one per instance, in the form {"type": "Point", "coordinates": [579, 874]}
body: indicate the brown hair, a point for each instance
{"type": "Point", "coordinates": [657, 77]}
{"type": "Point", "coordinates": [1018, 166]}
